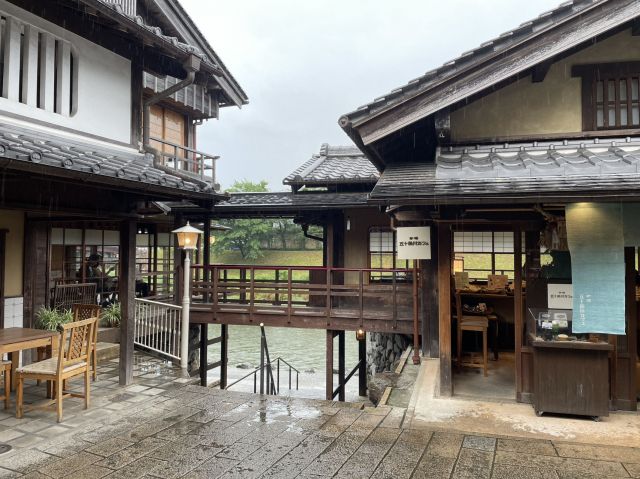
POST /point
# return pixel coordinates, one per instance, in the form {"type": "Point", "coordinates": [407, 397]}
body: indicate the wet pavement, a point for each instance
{"type": "Point", "coordinates": [163, 427]}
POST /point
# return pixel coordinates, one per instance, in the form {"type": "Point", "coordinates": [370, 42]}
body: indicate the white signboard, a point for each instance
{"type": "Point", "coordinates": [560, 296]}
{"type": "Point", "coordinates": [413, 242]}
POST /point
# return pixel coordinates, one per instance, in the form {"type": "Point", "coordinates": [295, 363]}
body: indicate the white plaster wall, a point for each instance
{"type": "Point", "coordinates": [103, 86]}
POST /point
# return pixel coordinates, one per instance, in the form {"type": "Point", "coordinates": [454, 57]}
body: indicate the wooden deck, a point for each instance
{"type": "Point", "coordinates": [304, 297]}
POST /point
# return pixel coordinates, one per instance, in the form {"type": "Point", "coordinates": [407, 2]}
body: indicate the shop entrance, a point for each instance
{"type": "Point", "coordinates": [483, 326]}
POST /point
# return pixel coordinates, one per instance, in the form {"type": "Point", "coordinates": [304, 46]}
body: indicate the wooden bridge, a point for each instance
{"type": "Point", "coordinates": [339, 299]}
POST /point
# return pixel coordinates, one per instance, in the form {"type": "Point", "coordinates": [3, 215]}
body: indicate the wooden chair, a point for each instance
{"type": "Point", "coordinates": [479, 324]}
{"type": "Point", "coordinates": [86, 311]}
{"type": "Point", "coordinates": [5, 366]}
{"type": "Point", "coordinates": [73, 358]}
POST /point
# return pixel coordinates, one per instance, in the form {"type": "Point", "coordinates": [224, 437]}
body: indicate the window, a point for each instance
{"type": "Point", "coordinates": [610, 95]}
{"type": "Point", "coordinates": [84, 255]}
{"type": "Point", "coordinates": [482, 253]}
{"type": "Point", "coordinates": [383, 254]}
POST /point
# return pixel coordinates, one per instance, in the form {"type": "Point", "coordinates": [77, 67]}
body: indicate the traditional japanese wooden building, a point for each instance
{"type": "Point", "coordinates": [98, 115]}
{"type": "Point", "coordinates": [519, 154]}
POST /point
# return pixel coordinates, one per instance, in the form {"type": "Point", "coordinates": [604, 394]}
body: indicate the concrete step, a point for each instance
{"type": "Point", "coordinates": [108, 335]}
{"type": "Point", "coordinates": [107, 351]}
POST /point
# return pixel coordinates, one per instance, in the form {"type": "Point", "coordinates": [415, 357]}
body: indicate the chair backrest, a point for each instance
{"type": "Point", "coordinates": [85, 311]}
{"type": "Point", "coordinates": [75, 342]}
{"type": "Point", "coordinates": [66, 295]}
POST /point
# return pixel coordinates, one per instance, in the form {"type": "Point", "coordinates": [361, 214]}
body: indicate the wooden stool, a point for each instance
{"type": "Point", "coordinates": [6, 368]}
{"type": "Point", "coordinates": [478, 324]}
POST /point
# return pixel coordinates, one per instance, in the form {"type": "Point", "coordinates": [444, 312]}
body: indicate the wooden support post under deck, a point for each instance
{"type": "Point", "coordinates": [444, 308]}
{"type": "Point", "coordinates": [224, 332]}
{"type": "Point", "coordinates": [204, 342]}
{"type": "Point", "coordinates": [329, 366]}
{"type": "Point", "coordinates": [127, 294]}
{"type": "Point", "coordinates": [362, 370]}
{"type": "Point", "coordinates": [341, 366]}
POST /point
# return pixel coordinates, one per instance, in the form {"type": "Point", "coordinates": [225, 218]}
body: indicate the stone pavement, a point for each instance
{"type": "Point", "coordinates": [162, 427]}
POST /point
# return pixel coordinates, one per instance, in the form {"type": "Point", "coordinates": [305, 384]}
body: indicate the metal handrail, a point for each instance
{"type": "Point", "coordinates": [346, 379]}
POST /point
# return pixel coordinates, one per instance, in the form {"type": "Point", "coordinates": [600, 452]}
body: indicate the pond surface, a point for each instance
{"type": "Point", "coordinates": [304, 349]}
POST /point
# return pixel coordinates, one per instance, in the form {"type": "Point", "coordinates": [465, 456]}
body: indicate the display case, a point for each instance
{"type": "Point", "coordinates": [551, 324]}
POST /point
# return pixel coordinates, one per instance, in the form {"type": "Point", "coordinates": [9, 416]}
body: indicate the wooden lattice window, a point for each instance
{"type": "Point", "coordinates": [610, 95]}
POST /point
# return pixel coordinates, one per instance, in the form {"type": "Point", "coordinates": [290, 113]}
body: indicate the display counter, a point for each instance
{"type": "Point", "coordinates": [571, 377]}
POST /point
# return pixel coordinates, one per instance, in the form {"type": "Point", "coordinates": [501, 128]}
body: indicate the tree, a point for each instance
{"type": "Point", "coordinates": [245, 235]}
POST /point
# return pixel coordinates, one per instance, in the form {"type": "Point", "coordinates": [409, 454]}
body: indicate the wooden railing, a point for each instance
{"type": "Point", "coordinates": [187, 160]}
{"type": "Point", "coordinates": [297, 291]}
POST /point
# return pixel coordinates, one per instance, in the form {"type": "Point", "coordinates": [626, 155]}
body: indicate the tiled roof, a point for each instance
{"type": "Point", "coordinates": [35, 149]}
{"type": "Point", "coordinates": [512, 52]}
{"type": "Point", "coordinates": [518, 172]}
{"type": "Point", "coordinates": [333, 165]}
{"type": "Point", "coordinates": [287, 201]}
{"type": "Point", "coordinates": [185, 47]}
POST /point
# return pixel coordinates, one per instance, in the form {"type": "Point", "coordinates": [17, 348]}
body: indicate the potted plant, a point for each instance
{"type": "Point", "coordinates": [50, 319]}
{"type": "Point", "coordinates": [111, 315]}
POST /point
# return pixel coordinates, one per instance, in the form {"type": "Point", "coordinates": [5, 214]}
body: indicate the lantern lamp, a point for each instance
{"type": "Point", "coordinates": [187, 237]}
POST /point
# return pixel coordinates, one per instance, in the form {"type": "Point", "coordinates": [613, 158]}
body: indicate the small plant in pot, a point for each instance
{"type": "Point", "coordinates": [49, 318]}
{"type": "Point", "coordinates": [110, 315]}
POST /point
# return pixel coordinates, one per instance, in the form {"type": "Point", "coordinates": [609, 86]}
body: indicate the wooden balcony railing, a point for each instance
{"type": "Point", "coordinates": [298, 295]}
{"type": "Point", "coordinates": [187, 160]}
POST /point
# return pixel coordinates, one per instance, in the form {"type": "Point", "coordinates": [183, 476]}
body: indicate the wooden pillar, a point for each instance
{"type": "Point", "coordinates": [362, 369]}
{"type": "Point", "coordinates": [624, 361]}
{"type": "Point", "coordinates": [127, 294]}
{"type": "Point", "coordinates": [136, 102]}
{"type": "Point", "coordinates": [429, 300]}
{"type": "Point", "coordinates": [518, 306]}
{"type": "Point", "coordinates": [36, 259]}
{"type": "Point", "coordinates": [224, 355]}
{"type": "Point", "coordinates": [341, 366]}
{"type": "Point", "coordinates": [3, 256]}
{"type": "Point", "coordinates": [444, 308]}
{"type": "Point", "coordinates": [178, 262]}
{"type": "Point", "coordinates": [206, 249]}
{"type": "Point", "coordinates": [204, 347]}
{"type": "Point", "coordinates": [329, 366]}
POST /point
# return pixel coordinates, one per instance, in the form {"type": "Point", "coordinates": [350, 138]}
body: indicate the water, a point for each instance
{"type": "Point", "coordinates": [304, 349]}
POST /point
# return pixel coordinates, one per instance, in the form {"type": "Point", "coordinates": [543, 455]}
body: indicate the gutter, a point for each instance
{"type": "Point", "coordinates": [192, 65]}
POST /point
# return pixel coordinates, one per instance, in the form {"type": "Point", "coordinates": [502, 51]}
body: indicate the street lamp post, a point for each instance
{"type": "Point", "coordinates": [187, 240]}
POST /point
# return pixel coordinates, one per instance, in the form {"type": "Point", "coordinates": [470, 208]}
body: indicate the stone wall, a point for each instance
{"type": "Point", "coordinates": [383, 350]}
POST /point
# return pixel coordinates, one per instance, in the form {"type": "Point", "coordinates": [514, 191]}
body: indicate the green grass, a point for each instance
{"type": "Point", "coordinates": [273, 258]}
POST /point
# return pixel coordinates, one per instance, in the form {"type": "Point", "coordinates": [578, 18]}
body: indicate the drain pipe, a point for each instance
{"type": "Point", "coordinates": [192, 65]}
{"type": "Point", "coordinates": [306, 234]}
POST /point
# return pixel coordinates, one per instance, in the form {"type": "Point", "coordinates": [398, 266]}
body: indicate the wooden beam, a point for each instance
{"type": "Point", "coordinates": [136, 103]}
{"type": "Point", "coordinates": [341, 366]}
{"type": "Point", "coordinates": [127, 294]}
{"type": "Point", "coordinates": [224, 355]}
{"type": "Point", "coordinates": [329, 366]}
{"type": "Point", "coordinates": [362, 370]}
{"type": "Point", "coordinates": [518, 306]}
{"type": "Point", "coordinates": [444, 308]}
{"type": "Point", "coordinates": [30, 66]}
{"type": "Point", "coordinates": [3, 259]}
{"type": "Point", "coordinates": [11, 75]}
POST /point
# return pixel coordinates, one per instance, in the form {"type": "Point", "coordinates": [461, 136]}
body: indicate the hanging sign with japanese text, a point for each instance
{"type": "Point", "coordinates": [413, 242]}
{"type": "Point", "coordinates": [560, 296]}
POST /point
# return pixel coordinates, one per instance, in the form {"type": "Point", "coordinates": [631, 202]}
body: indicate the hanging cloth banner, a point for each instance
{"type": "Point", "coordinates": [595, 237]}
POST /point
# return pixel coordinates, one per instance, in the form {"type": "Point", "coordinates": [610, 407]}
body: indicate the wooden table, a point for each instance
{"type": "Point", "coordinates": [14, 340]}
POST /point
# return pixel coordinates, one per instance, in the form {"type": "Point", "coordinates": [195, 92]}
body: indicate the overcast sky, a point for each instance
{"type": "Point", "coordinates": [303, 63]}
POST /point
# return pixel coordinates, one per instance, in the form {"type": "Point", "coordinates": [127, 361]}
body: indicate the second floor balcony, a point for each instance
{"type": "Point", "coordinates": [186, 161]}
